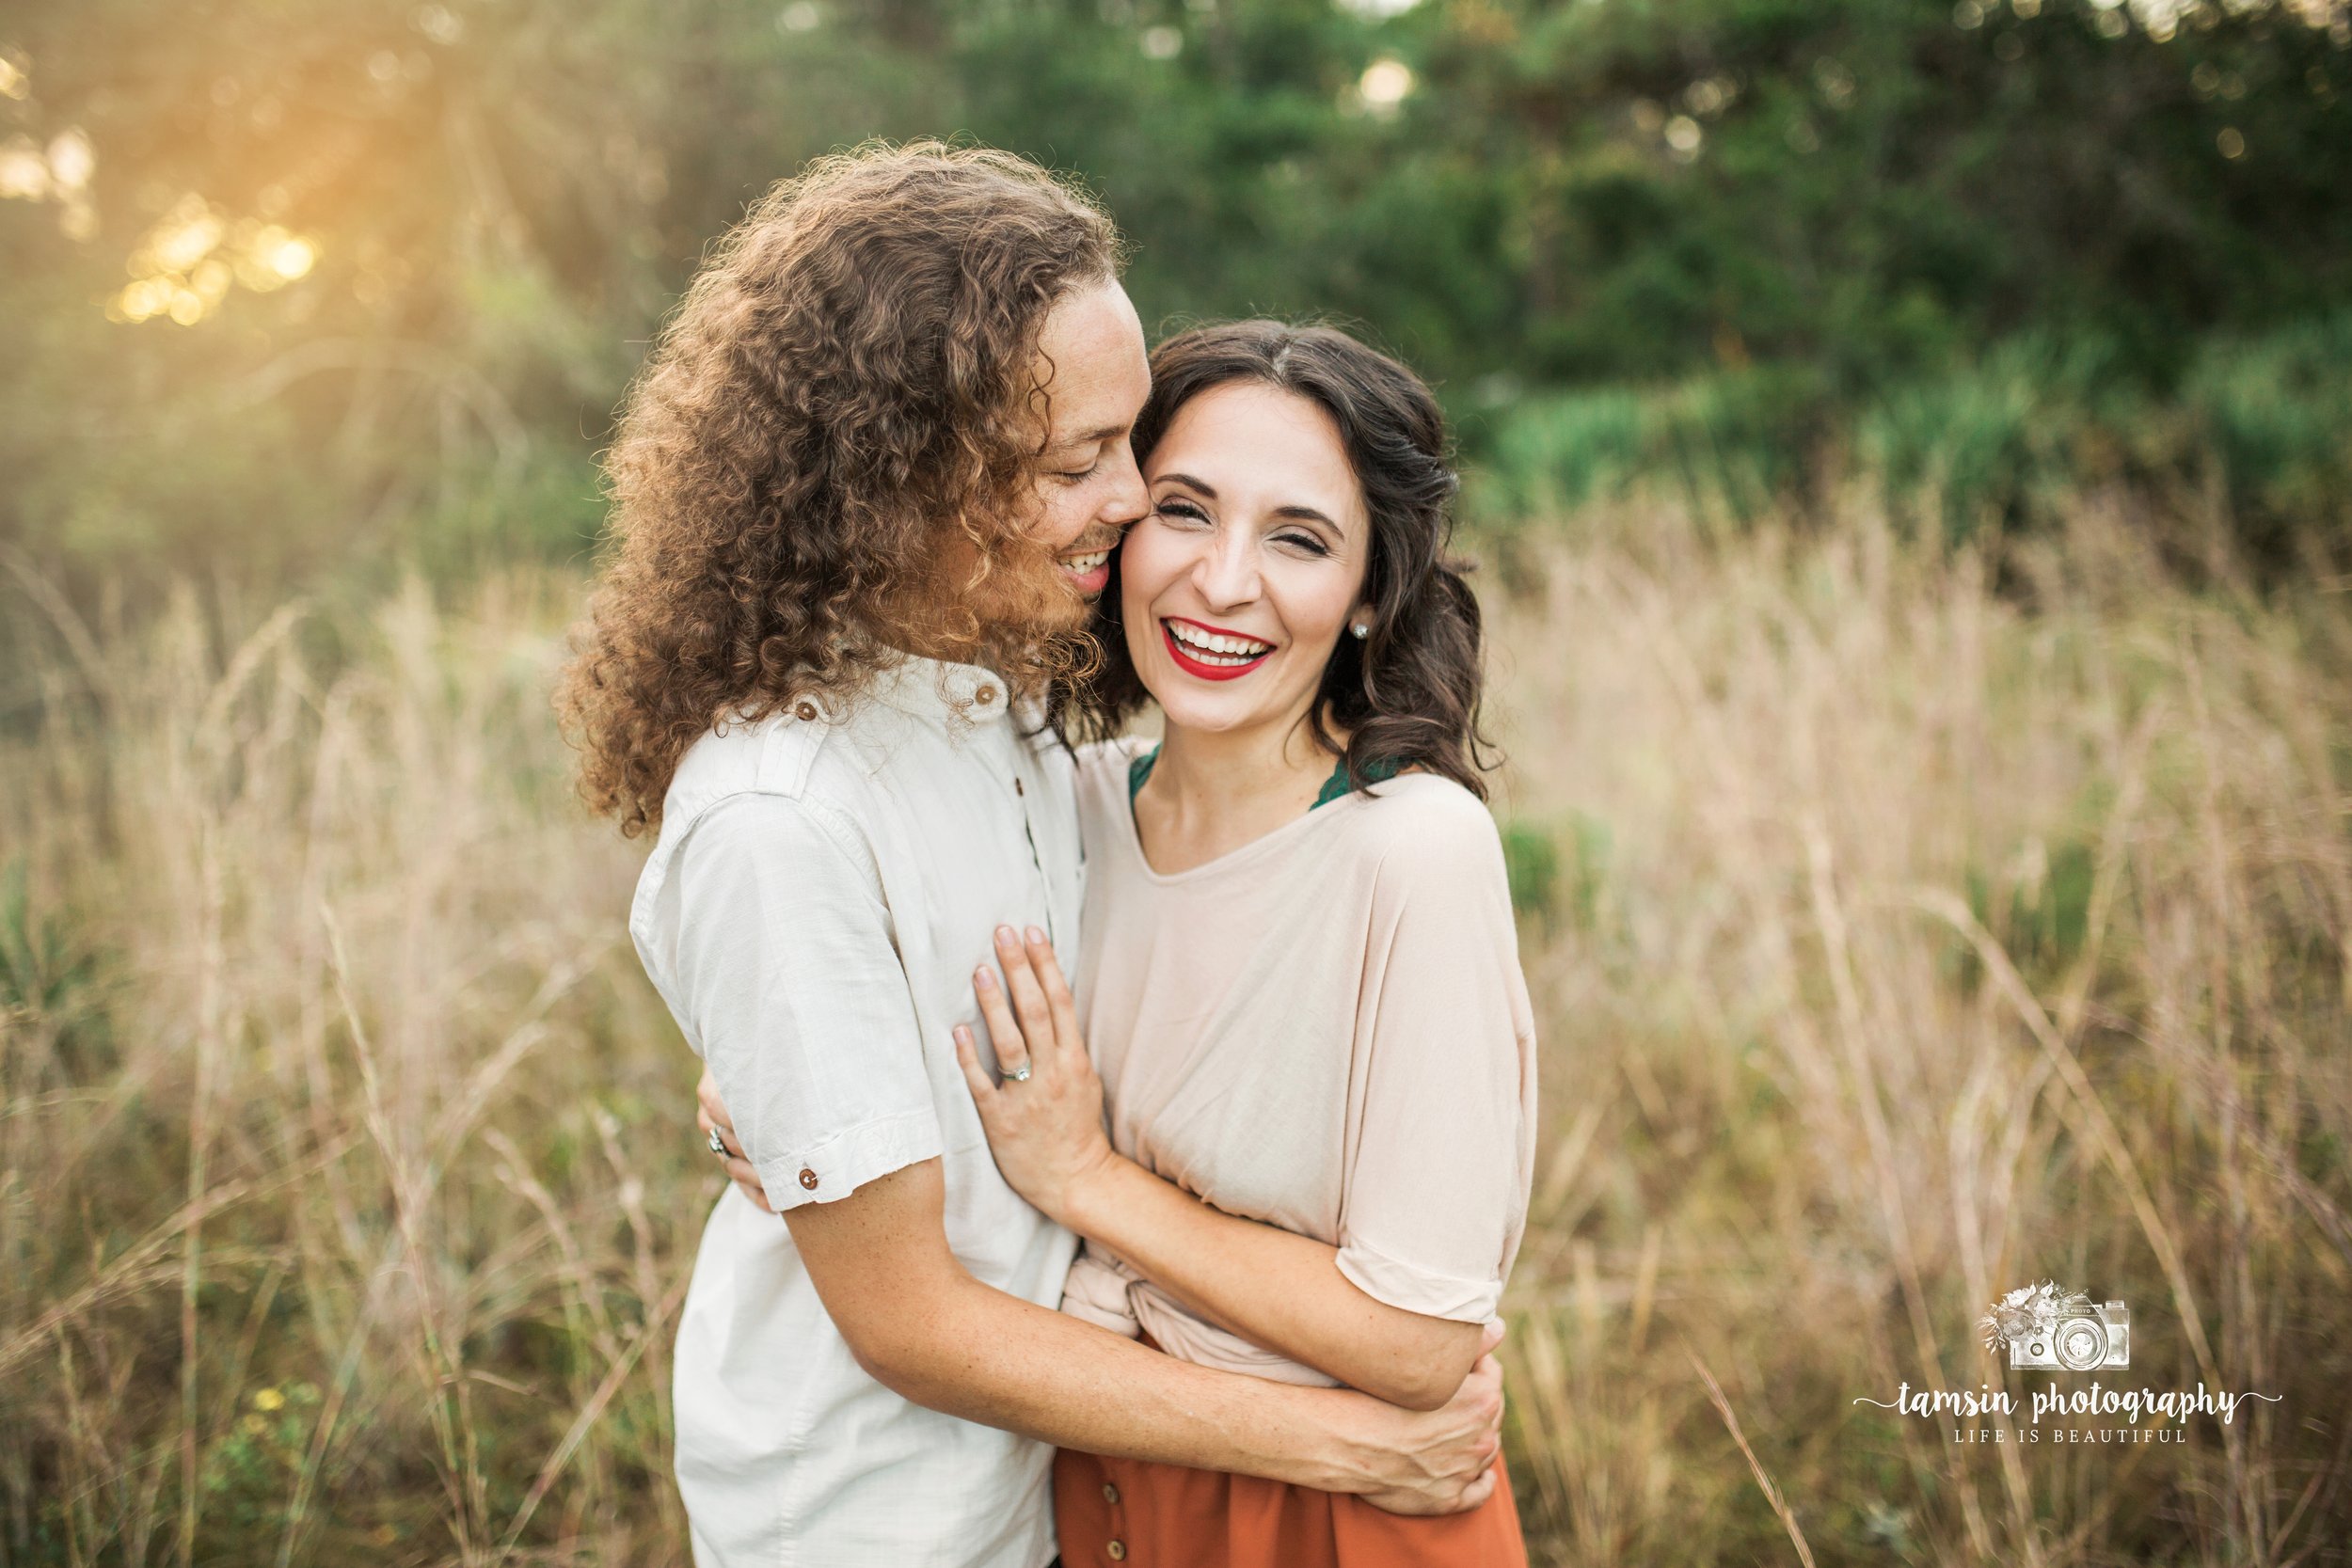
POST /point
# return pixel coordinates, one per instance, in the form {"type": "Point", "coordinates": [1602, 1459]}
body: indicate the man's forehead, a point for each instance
{"type": "Point", "coordinates": [1093, 366]}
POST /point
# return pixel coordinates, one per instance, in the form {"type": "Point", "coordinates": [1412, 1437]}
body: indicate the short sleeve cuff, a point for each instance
{"type": "Point", "coordinates": [1410, 1288]}
{"type": "Point", "coordinates": [847, 1160]}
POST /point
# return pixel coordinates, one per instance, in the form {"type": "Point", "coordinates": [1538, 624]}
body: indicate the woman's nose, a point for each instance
{"type": "Point", "coordinates": [1226, 573]}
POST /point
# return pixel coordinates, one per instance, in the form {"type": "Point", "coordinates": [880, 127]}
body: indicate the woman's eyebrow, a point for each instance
{"type": "Point", "coordinates": [1304, 514]}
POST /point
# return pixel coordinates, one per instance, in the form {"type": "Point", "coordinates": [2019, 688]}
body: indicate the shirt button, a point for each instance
{"type": "Point", "coordinates": [986, 694]}
{"type": "Point", "coordinates": [1118, 1552]}
{"type": "Point", "coordinates": [1110, 1493]}
{"type": "Point", "coordinates": [804, 711]}
{"type": "Point", "coordinates": [808, 1179]}
{"type": "Point", "coordinates": [1017, 789]}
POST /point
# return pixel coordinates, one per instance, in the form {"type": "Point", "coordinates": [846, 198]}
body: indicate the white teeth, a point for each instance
{"type": "Point", "coordinates": [1217, 648]}
{"type": "Point", "coordinates": [1086, 562]}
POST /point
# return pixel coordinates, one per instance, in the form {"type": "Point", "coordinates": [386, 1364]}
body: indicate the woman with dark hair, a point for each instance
{"type": "Point", "coordinates": [1300, 972]}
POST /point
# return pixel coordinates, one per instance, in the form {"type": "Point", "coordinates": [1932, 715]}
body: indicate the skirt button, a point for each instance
{"type": "Point", "coordinates": [1118, 1552]}
{"type": "Point", "coordinates": [1110, 1493]}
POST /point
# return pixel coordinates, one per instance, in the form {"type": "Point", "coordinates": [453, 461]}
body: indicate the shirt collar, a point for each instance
{"type": "Point", "coordinates": [936, 688]}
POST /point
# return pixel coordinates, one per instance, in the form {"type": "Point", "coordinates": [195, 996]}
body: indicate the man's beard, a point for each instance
{"type": "Point", "coordinates": [1020, 616]}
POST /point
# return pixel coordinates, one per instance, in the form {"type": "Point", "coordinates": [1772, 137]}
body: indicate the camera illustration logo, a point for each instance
{"type": "Point", "coordinates": [2048, 1328]}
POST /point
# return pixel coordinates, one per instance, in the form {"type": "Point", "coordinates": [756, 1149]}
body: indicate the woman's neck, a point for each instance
{"type": "Point", "coordinates": [1212, 791]}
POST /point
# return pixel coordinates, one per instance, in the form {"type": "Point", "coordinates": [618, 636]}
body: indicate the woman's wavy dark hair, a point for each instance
{"type": "Point", "coordinates": [847, 385]}
{"type": "Point", "coordinates": [1408, 694]}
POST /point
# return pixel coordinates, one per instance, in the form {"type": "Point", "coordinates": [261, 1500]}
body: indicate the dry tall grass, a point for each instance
{"type": "Point", "coordinates": [348, 1179]}
{"type": "Point", "coordinates": [1901, 945]}
{"type": "Point", "coordinates": [1909, 946]}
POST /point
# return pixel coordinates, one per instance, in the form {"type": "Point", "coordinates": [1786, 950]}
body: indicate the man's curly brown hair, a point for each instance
{"type": "Point", "coordinates": [845, 390]}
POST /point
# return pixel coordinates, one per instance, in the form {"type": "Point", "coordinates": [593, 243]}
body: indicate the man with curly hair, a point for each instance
{"type": "Point", "coordinates": [863, 493]}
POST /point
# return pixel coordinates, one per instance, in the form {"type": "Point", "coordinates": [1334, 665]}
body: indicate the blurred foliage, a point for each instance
{"type": "Point", "coordinates": [395, 261]}
{"type": "Point", "coordinates": [1531, 862]}
{"type": "Point", "coordinates": [2251, 428]}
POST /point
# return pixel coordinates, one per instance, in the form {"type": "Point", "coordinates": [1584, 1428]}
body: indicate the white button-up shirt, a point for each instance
{"type": "Point", "coordinates": [824, 885]}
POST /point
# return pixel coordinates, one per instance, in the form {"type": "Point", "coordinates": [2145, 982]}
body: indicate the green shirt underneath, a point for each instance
{"type": "Point", "coordinates": [1333, 787]}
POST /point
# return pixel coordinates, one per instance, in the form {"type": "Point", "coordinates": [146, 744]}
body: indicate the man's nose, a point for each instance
{"type": "Point", "coordinates": [1130, 498]}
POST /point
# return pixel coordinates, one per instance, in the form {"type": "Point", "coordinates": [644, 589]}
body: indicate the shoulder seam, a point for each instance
{"type": "Point", "coordinates": [832, 825]}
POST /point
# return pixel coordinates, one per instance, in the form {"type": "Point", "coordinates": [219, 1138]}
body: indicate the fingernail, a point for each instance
{"type": "Point", "coordinates": [1036, 936]}
{"type": "Point", "coordinates": [1004, 935]}
{"type": "Point", "coordinates": [984, 977]}
{"type": "Point", "coordinates": [963, 1033]}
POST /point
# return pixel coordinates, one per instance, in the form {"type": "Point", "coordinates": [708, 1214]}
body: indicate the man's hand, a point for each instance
{"type": "Point", "coordinates": [1443, 1461]}
{"type": "Point", "coordinates": [711, 1117]}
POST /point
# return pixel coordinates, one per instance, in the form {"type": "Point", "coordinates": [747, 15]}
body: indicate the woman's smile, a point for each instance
{"type": "Point", "coordinates": [1213, 653]}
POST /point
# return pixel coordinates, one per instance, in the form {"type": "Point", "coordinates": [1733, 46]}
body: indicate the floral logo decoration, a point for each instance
{"type": "Point", "coordinates": [2046, 1327]}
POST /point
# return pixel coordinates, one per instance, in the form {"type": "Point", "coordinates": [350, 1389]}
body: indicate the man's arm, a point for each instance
{"type": "Point", "coordinates": [1273, 1288]}
{"type": "Point", "coordinates": [924, 1327]}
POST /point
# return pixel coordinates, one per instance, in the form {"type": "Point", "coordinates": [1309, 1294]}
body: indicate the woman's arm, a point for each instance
{"type": "Point", "coordinates": [1274, 1287]}
{"type": "Point", "coordinates": [1278, 1289]}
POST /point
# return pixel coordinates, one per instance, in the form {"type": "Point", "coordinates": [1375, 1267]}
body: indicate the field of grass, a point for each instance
{"type": "Point", "coordinates": [1895, 941]}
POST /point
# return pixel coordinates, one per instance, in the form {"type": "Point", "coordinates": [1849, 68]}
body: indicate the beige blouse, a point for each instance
{"type": "Point", "coordinates": [1325, 1030]}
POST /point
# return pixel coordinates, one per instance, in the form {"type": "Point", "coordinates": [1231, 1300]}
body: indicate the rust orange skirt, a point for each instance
{"type": "Point", "coordinates": [1133, 1513]}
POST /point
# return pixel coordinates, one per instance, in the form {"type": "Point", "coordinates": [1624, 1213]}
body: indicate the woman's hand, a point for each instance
{"type": "Point", "coordinates": [1045, 1121]}
{"type": "Point", "coordinates": [710, 1114]}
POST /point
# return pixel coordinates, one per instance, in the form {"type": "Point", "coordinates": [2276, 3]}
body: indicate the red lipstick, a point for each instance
{"type": "Point", "coordinates": [1207, 672]}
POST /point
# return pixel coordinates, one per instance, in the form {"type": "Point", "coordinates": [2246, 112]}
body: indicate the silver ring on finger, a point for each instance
{"type": "Point", "coordinates": [718, 1144]}
{"type": "Point", "coordinates": [1017, 1075]}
